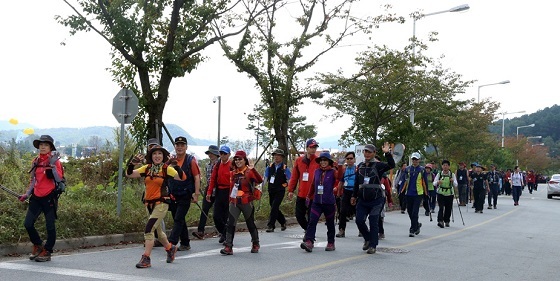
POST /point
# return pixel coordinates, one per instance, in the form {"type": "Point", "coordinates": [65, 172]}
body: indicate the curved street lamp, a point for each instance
{"type": "Point", "coordinates": [491, 84]}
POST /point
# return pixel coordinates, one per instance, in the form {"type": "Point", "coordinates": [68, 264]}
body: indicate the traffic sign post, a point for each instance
{"type": "Point", "coordinates": [125, 108]}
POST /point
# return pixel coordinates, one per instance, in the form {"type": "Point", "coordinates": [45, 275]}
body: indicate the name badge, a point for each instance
{"type": "Point", "coordinates": [366, 180]}
{"type": "Point", "coordinates": [305, 176]}
{"type": "Point", "coordinates": [272, 179]}
{"type": "Point", "coordinates": [460, 177]}
{"type": "Point", "coordinates": [320, 189]}
{"type": "Point", "coordinates": [234, 191]}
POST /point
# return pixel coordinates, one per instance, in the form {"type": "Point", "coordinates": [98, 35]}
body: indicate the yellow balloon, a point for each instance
{"type": "Point", "coordinates": [28, 131]}
{"type": "Point", "coordinates": [14, 121]}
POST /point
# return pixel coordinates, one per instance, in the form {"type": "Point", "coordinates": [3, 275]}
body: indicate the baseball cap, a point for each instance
{"type": "Point", "coordinates": [153, 141]}
{"type": "Point", "coordinates": [225, 149]}
{"type": "Point", "coordinates": [311, 143]}
{"type": "Point", "coordinates": [181, 140]}
{"type": "Point", "coordinates": [415, 155]}
{"type": "Point", "coordinates": [370, 148]}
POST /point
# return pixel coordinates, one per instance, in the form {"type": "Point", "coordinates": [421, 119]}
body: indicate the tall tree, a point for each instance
{"type": "Point", "coordinates": [277, 65]}
{"type": "Point", "coordinates": [379, 102]}
{"type": "Point", "coordinates": [154, 41]}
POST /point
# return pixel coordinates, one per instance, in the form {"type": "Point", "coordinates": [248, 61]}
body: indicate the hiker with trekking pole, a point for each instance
{"type": "Point", "coordinates": [445, 182]}
{"type": "Point", "coordinates": [46, 185]}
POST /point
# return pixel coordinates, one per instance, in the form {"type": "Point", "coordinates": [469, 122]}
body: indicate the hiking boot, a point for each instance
{"type": "Point", "coordinates": [418, 229]}
{"type": "Point", "coordinates": [481, 211]}
{"type": "Point", "coordinates": [489, 207]}
{"type": "Point", "coordinates": [171, 253]}
{"type": "Point", "coordinates": [37, 249]}
{"type": "Point", "coordinates": [365, 246]}
{"type": "Point", "coordinates": [144, 262]}
{"type": "Point", "coordinates": [371, 250]}
{"type": "Point", "coordinates": [360, 234]}
{"type": "Point", "coordinates": [307, 246]}
{"type": "Point", "coordinates": [227, 250]}
{"type": "Point", "coordinates": [330, 247]}
{"type": "Point", "coordinates": [340, 233]}
{"type": "Point", "coordinates": [283, 227]}
{"type": "Point", "coordinates": [255, 248]}
{"type": "Point", "coordinates": [381, 236]}
{"type": "Point", "coordinates": [184, 247]}
{"type": "Point", "coordinates": [427, 213]}
{"type": "Point", "coordinates": [447, 224]}
{"type": "Point", "coordinates": [440, 224]}
{"type": "Point", "coordinates": [270, 229]}
{"type": "Point", "coordinates": [198, 235]}
{"type": "Point", "coordinates": [43, 256]}
{"type": "Point", "coordinates": [402, 211]}
{"type": "Point", "coordinates": [495, 207]}
{"type": "Point", "coordinates": [411, 234]}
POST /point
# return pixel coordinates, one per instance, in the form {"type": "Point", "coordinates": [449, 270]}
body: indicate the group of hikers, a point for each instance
{"type": "Point", "coordinates": [321, 186]}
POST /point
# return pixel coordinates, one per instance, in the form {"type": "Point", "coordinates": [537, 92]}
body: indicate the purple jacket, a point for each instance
{"type": "Point", "coordinates": [326, 178]}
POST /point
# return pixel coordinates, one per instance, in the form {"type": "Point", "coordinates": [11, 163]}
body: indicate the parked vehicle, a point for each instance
{"type": "Point", "coordinates": [553, 188]}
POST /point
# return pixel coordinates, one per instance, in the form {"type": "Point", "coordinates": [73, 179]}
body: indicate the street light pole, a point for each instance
{"type": "Point", "coordinates": [517, 134]}
{"type": "Point", "coordinates": [504, 123]}
{"type": "Point", "coordinates": [219, 100]}
{"type": "Point", "coordinates": [491, 84]}
{"type": "Point", "coordinates": [459, 8]}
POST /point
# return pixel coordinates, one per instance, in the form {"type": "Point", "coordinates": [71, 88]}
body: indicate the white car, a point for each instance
{"type": "Point", "coordinates": [553, 186]}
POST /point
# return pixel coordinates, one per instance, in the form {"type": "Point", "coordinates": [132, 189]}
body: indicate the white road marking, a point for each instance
{"type": "Point", "coordinates": [73, 272]}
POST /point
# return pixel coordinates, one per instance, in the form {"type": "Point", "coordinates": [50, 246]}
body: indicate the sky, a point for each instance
{"type": "Point", "coordinates": [50, 85]}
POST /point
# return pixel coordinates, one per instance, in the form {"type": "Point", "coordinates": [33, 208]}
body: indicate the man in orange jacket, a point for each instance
{"type": "Point", "coordinates": [302, 175]}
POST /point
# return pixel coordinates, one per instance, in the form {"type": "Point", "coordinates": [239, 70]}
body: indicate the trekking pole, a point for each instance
{"type": "Point", "coordinates": [13, 193]}
{"type": "Point", "coordinates": [430, 211]}
{"type": "Point", "coordinates": [459, 207]}
{"type": "Point", "coordinates": [452, 215]}
{"type": "Point", "coordinates": [202, 211]}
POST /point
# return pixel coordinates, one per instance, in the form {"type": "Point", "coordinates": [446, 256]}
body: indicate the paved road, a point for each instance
{"type": "Point", "coordinates": [509, 243]}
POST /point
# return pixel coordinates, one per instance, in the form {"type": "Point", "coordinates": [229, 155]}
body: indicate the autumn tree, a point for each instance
{"type": "Point", "coordinates": [155, 41]}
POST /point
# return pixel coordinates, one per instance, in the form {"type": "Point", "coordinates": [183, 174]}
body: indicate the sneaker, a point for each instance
{"type": "Point", "coordinates": [307, 246]}
{"type": "Point", "coordinates": [381, 236]}
{"type": "Point", "coordinates": [481, 211]}
{"type": "Point", "coordinates": [476, 211]}
{"type": "Point", "coordinates": [489, 207]}
{"type": "Point", "coordinates": [283, 227]}
{"type": "Point", "coordinates": [447, 224]}
{"type": "Point", "coordinates": [433, 211]}
{"type": "Point", "coordinates": [171, 253]}
{"type": "Point", "coordinates": [340, 234]}
{"type": "Point", "coordinates": [222, 239]}
{"type": "Point", "coordinates": [37, 249]}
{"type": "Point", "coordinates": [198, 235]}
{"type": "Point", "coordinates": [440, 224]}
{"type": "Point", "coordinates": [330, 247]}
{"type": "Point", "coordinates": [366, 245]}
{"type": "Point", "coordinates": [270, 229]}
{"type": "Point", "coordinates": [360, 234]}
{"type": "Point", "coordinates": [43, 256]}
{"type": "Point", "coordinates": [495, 207]}
{"type": "Point", "coordinates": [144, 262]}
{"type": "Point", "coordinates": [402, 211]}
{"type": "Point", "coordinates": [184, 247]}
{"type": "Point", "coordinates": [411, 234]}
{"type": "Point", "coordinates": [227, 250]}
{"type": "Point", "coordinates": [255, 248]}
{"type": "Point", "coordinates": [418, 229]}
{"type": "Point", "coordinates": [371, 250]}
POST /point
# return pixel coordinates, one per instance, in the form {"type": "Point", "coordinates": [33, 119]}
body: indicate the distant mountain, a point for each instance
{"type": "Point", "coordinates": [547, 124]}
{"type": "Point", "coordinates": [67, 136]}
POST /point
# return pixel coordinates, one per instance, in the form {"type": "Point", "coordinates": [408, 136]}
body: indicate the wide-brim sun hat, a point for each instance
{"type": "Point", "coordinates": [44, 138]}
{"type": "Point", "coordinates": [154, 149]}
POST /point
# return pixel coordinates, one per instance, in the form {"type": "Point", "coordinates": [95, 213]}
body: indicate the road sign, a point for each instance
{"type": "Point", "coordinates": [125, 106]}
